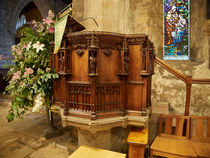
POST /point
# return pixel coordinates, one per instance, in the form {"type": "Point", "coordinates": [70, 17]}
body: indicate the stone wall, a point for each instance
{"type": "Point", "coordinates": [9, 12]}
{"type": "Point", "coordinates": [146, 16]}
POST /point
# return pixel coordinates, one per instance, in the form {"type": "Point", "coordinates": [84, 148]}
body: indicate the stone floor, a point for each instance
{"type": "Point", "coordinates": [25, 139]}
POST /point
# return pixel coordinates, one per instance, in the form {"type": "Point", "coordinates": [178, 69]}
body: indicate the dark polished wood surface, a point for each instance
{"type": "Point", "coordinates": [102, 73]}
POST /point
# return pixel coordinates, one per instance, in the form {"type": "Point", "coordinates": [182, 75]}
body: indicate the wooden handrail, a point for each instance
{"type": "Point", "coordinates": [200, 81]}
{"type": "Point", "coordinates": [187, 79]}
{"type": "Point", "coordinates": [171, 69]}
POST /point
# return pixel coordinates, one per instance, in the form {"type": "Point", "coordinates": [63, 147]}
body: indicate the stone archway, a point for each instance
{"type": "Point", "coordinates": [41, 5]}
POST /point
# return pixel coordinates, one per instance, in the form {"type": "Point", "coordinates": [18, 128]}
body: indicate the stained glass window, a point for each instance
{"type": "Point", "coordinates": [176, 36]}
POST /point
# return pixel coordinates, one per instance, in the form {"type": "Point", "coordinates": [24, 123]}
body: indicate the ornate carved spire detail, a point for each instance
{"type": "Point", "coordinates": [126, 55]}
{"type": "Point", "coordinates": [147, 53]}
{"type": "Point", "coordinates": [92, 42]}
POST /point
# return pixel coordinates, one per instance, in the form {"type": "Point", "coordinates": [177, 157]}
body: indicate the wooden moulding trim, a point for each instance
{"type": "Point", "coordinates": [136, 82]}
{"type": "Point", "coordinates": [135, 113]}
{"type": "Point", "coordinates": [101, 124]}
{"type": "Point", "coordinates": [79, 115]}
{"type": "Point", "coordinates": [122, 74]}
{"type": "Point", "coordinates": [146, 74]}
{"type": "Point", "coordinates": [77, 82]}
{"type": "Point", "coordinates": [109, 83]}
{"type": "Point", "coordinates": [81, 112]}
{"type": "Point", "coordinates": [99, 115]}
{"type": "Point", "coordinates": [105, 37]}
{"type": "Point", "coordinates": [106, 33]}
{"type": "Point", "coordinates": [64, 74]}
{"type": "Point", "coordinates": [171, 69]}
{"type": "Point", "coordinates": [102, 115]}
{"type": "Point", "coordinates": [93, 74]}
{"type": "Point", "coordinates": [137, 144]}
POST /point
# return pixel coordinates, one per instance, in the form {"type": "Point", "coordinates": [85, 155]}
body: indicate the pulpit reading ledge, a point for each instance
{"type": "Point", "coordinates": [104, 80]}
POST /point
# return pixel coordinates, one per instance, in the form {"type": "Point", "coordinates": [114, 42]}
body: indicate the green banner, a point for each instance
{"type": "Point", "coordinates": [60, 26]}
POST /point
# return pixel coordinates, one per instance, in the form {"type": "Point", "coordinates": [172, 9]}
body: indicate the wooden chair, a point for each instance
{"type": "Point", "coordinates": [200, 135]}
{"type": "Point", "coordinates": [172, 140]}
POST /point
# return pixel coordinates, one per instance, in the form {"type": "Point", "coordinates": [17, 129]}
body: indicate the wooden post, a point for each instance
{"type": "Point", "coordinates": [122, 97]}
{"type": "Point", "coordinates": [93, 97]}
{"type": "Point", "coordinates": [137, 140]}
{"type": "Point", "coordinates": [188, 94]}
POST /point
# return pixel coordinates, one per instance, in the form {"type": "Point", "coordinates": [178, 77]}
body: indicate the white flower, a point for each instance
{"type": "Point", "coordinates": [38, 46]}
{"type": "Point", "coordinates": [28, 46]}
{"type": "Point", "coordinates": [38, 102]}
{"type": "Point", "coordinates": [13, 48]}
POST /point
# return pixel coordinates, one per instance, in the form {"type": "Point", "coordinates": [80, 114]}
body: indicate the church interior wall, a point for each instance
{"type": "Point", "coordinates": [146, 16]}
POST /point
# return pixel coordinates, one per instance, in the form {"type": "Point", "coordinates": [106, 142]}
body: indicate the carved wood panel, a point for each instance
{"type": "Point", "coordinates": [109, 72]}
{"type": "Point", "coordinates": [107, 98]}
{"type": "Point", "coordinates": [80, 97]}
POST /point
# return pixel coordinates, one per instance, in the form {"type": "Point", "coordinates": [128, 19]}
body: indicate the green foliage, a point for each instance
{"type": "Point", "coordinates": [31, 77]}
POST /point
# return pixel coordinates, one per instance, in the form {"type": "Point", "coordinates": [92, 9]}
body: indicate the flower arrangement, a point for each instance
{"type": "Point", "coordinates": [31, 77]}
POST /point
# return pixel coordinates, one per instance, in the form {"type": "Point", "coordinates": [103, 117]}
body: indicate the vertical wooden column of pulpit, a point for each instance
{"type": "Point", "coordinates": [62, 63]}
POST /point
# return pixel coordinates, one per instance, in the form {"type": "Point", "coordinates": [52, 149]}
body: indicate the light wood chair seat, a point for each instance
{"type": "Point", "coordinates": [172, 147]}
{"type": "Point", "coordinates": [201, 149]}
{"type": "Point", "coordinates": [173, 138]}
{"type": "Point", "coordinates": [200, 135]}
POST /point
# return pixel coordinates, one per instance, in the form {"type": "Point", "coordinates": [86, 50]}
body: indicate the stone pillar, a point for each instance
{"type": "Point", "coordinates": [114, 139]}
{"type": "Point", "coordinates": [99, 139]}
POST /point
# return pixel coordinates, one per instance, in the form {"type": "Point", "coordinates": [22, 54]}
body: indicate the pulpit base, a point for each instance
{"type": "Point", "coordinates": [99, 139]}
{"type": "Point", "coordinates": [132, 118]}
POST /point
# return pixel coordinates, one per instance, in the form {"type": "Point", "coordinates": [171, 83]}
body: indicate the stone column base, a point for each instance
{"type": "Point", "coordinates": [114, 139]}
{"type": "Point", "coordinates": [99, 139]}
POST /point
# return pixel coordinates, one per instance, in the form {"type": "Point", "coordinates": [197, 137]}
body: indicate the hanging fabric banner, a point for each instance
{"type": "Point", "coordinates": [60, 26]}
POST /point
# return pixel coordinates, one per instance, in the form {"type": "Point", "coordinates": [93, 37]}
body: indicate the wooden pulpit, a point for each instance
{"type": "Point", "coordinates": [104, 79]}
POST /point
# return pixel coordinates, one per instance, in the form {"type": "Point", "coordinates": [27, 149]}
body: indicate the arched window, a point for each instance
{"type": "Point", "coordinates": [20, 21]}
{"type": "Point", "coordinates": [176, 15]}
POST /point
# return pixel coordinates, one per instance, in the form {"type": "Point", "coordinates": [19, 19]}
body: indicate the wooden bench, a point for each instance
{"type": "Point", "coordinates": [92, 152]}
{"type": "Point", "coordinates": [200, 135]}
{"type": "Point", "coordinates": [173, 138]}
